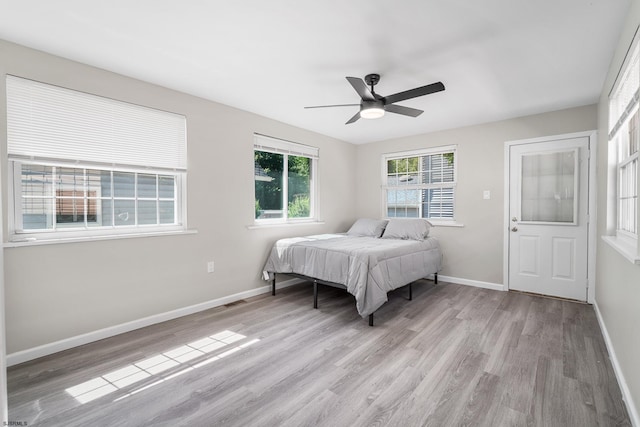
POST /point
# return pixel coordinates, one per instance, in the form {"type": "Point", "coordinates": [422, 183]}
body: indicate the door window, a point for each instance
{"type": "Point", "coordinates": [549, 187]}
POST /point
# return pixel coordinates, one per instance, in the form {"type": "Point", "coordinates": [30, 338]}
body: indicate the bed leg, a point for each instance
{"type": "Point", "coordinates": [273, 285]}
{"type": "Point", "coordinates": [410, 292]}
{"type": "Point", "coordinates": [435, 278]}
{"type": "Point", "coordinates": [371, 319]}
{"type": "Point", "coordinates": [315, 294]}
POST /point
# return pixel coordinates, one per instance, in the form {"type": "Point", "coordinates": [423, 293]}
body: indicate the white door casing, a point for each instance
{"type": "Point", "coordinates": [548, 203]}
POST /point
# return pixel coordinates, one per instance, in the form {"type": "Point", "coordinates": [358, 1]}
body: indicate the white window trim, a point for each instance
{"type": "Point", "coordinates": [624, 247]}
{"type": "Point", "coordinates": [626, 244]}
{"type": "Point", "coordinates": [619, 166]}
{"type": "Point", "coordinates": [284, 224]}
{"type": "Point", "coordinates": [438, 222]}
{"type": "Point", "coordinates": [280, 146]}
{"type": "Point", "coordinates": [38, 237]}
{"type": "Point", "coordinates": [96, 238]}
{"type": "Point", "coordinates": [444, 223]}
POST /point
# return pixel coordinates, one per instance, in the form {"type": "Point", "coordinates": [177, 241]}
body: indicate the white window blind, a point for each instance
{"type": "Point", "coordinates": [46, 122]}
{"type": "Point", "coordinates": [624, 96]}
{"type": "Point", "coordinates": [274, 145]}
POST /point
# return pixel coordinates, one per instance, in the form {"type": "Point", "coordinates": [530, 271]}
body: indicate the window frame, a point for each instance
{"type": "Point", "coordinates": [286, 148]}
{"type": "Point", "coordinates": [623, 123]}
{"type": "Point", "coordinates": [386, 157]}
{"type": "Point", "coordinates": [624, 221]}
{"type": "Point", "coordinates": [17, 234]}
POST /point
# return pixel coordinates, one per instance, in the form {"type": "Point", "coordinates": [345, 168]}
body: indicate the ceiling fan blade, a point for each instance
{"type": "Point", "coordinates": [405, 111]}
{"type": "Point", "coordinates": [335, 105]}
{"type": "Point", "coordinates": [413, 93]}
{"type": "Point", "coordinates": [362, 89]}
{"type": "Point", "coordinates": [354, 118]}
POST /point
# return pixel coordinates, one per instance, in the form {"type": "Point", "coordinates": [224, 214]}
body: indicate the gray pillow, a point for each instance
{"type": "Point", "coordinates": [407, 229]}
{"type": "Point", "coordinates": [367, 227]}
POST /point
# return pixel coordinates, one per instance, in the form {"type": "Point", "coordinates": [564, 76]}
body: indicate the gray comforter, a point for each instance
{"type": "Point", "coordinates": [368, 267]}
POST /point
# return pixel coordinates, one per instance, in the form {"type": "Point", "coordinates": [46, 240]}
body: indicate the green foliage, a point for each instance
{"type": "Point", "coordinates": [405, 165]}
{"type": "Point", "coordinates": [449, 157]}
{"type": "Point", "coordinates": [268, 190]}
{"type": "Point", "coordinates": [270, 162]}
{"type": "Point", "coordinates": [411, 164]}
{"type": "Point", "coordinates": [300, 207]}
{"type": "Point", "coordinates": [300, 166]}
{"type": "Point", "coordinates": [258, 210]}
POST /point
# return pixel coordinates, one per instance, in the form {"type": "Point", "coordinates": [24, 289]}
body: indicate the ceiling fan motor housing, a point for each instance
{"type": "Point", "coordinates": [367, 105]}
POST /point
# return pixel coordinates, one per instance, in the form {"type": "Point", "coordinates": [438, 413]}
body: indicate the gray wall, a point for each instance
{"type": "Point", "coordinates": [54, 292]}
{"type": "Point", "coordinates": [618, 281]}
{"type": "Point", "coordinates": [475, 251]}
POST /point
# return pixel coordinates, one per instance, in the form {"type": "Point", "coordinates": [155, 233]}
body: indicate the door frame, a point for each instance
{"type": "Point", "coordinates": [591, 205]}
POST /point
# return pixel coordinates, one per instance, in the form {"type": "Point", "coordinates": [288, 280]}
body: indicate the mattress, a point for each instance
{"type": "Point", "coordinates": [368, 267]}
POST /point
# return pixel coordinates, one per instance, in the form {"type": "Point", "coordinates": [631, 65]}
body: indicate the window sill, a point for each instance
{"type": "Point", "coordinates": [437, 223]}
{"type": "Point", "coordinates": [283, 224]}
{"type": "Point", "coordinates": [32, 241]}
{"type": "Point", "coordinates": [624, 247]}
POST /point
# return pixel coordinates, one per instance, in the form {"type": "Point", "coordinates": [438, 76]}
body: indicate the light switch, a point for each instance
{"type": "Point", "coordinates": [486, 194]}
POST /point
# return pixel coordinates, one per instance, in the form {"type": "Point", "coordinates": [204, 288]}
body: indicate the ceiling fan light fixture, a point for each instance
{"type": "Point", "coordinates": [371, 110]}
{"type": "Point", "coordinates": [372, 113]}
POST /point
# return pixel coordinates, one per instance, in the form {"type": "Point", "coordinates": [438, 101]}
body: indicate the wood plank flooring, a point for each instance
{"type": "Point", "coordinates": [455, 355]}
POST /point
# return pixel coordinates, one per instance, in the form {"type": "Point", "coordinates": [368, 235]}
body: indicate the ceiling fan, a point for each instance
{"type": "Point", "coordinates": [373, 106]}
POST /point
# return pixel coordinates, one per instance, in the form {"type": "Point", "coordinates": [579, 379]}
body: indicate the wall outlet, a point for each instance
{"type": "Point", "coordinates": [210, 267]}
{"type": "Point", "coordinates": [486, 194]}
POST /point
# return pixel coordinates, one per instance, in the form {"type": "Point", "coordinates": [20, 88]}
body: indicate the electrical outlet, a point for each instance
{"type": "Point", "coordinates": [210, 267]}
{"type": "Point", "coordinates": [486, 194]}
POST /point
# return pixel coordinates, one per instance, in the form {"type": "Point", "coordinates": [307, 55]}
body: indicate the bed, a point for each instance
{"type": "Point", "coordinates": [371, 259]}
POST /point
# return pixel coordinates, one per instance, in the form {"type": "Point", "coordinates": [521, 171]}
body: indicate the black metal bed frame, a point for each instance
{"type": "Point", "coordinates": [316, 282]}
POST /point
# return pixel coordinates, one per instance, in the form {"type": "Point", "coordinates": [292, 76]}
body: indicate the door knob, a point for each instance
{"type": "Point", "coordinates": [514, 219]}
{"type": "Point", "coordinates": [514, 229]}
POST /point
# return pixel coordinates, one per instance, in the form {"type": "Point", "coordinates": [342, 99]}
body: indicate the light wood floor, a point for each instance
{"type": "Point", "coordinates": [455, 355]}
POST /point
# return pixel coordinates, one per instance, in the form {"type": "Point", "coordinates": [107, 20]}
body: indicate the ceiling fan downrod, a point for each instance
{"type": "Point", "coordinates": [372, 80]}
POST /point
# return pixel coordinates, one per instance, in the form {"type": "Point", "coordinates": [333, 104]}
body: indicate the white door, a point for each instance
{"type": "Point", "coordinates": [548, 231]}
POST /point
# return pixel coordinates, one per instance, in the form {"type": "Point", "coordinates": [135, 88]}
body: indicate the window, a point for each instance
{"type": "Point", "coordinates": [420, 184]}
{"type": "Point", "coordinates": [85, 165]}
{"type": "Point", "coordinates": [628, 177]}
{"type": "Point", "coordinates": [624, 142]}
{"type": "Point", "coordinates": [66, 198]}
{"type": "Point", "coordinates": [284, 180]}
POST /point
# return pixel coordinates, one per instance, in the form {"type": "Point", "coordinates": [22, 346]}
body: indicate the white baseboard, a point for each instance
{"type": "Point", "coordinates": [67, 343]}
{"type": "Point", "coordinates": [624, 388]}
{"type": "Point", "coordinates": [475, 283]}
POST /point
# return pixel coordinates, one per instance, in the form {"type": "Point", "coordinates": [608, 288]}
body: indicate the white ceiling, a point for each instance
{"type": "Point", "coordinates": [497, 58]}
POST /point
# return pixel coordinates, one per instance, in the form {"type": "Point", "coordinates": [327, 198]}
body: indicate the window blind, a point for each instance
{"type": "Point", "coordinates": [275, 145]}
{"type": "Point", "coordinates": [626, 92]}
{"type": "Point", "coordinates": [49, 122]}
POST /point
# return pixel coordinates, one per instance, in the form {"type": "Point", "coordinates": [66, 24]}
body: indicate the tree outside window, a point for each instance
{"type": "Point", "coordinates": [282, 180]}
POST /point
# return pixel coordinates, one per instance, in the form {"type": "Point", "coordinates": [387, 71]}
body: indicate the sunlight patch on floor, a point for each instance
{"type": "Point", "coordinates": [155, 365]}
